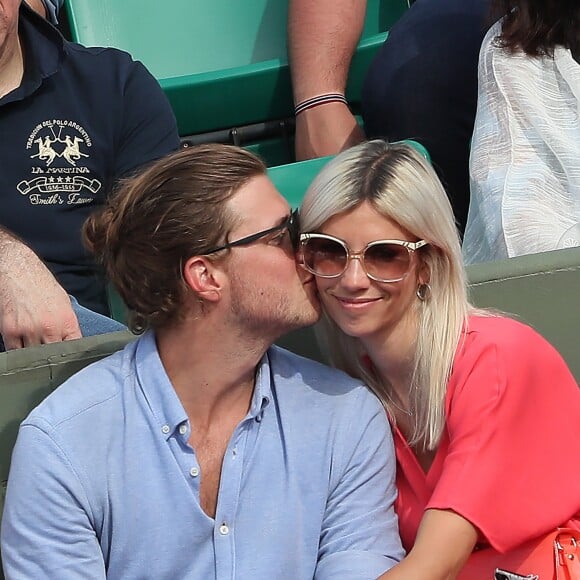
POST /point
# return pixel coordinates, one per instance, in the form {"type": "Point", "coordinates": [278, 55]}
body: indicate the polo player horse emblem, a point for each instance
{"type": "Point", "coordinates": [45, 150]}
{"type": "Point", "coordinates": [49, 149]}
{"type": "Point", "coordinates": [72, 153]}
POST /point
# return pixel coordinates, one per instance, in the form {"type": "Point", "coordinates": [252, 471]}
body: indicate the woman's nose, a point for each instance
{"type": "Point", "coordinates": [355, 277]}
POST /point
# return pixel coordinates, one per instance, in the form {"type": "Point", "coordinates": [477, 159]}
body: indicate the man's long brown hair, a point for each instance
{"type": "Point", "coordinates": [156, 220]}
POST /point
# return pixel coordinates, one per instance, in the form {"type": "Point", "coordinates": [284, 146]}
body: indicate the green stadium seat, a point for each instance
{"type": "Point", "coordinates": [221, 63]}
{"type": "Point", "coordinates": [293, 179]}
{"type": "Point", "coordinates": [540, 290]}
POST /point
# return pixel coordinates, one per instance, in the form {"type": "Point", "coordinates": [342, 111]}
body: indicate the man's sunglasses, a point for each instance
{"type": "Point", "coordinates": [382, 260]}
{"type": "Point", "coordinates": [290, 224]}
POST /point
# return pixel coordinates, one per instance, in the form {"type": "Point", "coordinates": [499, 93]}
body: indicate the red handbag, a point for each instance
{"type": "Point", "coordinates": [555, 556]}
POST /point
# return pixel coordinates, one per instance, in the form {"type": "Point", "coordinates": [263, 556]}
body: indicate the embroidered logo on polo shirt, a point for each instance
{"type": "Point", "coordinates": [59, 147]}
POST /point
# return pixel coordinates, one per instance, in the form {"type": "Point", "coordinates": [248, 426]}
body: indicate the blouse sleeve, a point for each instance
{"type": "Point", "coordinates": [513, 418]}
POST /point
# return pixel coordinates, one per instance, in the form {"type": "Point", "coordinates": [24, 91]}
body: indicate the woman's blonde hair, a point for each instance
{"type": "Point", "coordinates": [400, 184]}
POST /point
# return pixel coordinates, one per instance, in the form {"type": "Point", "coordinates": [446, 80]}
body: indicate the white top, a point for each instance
{"type": "Point", "coordinates": [525, 155]}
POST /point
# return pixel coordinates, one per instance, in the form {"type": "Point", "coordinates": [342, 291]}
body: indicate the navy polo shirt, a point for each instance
{"type": "Point", "coordinates": [81, 118]}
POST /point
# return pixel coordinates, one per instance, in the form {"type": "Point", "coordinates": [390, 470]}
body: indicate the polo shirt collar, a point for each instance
{"type": "Point", "coordinates": [44, 50]}
{"type": "Point", "coordinates": [162, 399]}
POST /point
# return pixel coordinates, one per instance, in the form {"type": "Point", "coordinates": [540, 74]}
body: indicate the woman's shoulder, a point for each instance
{"type": "Point", "coordinates": [499, 330]}
{"type": "Point", "coordinates": [493, 33]}
{"type": "Point", "coordinates": [506, 343]}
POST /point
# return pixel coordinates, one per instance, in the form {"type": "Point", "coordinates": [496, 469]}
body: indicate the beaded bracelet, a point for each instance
{"type": "Point", "coordinates": [319, 100]}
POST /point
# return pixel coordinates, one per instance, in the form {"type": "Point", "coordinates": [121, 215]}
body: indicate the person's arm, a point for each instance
{"type": "Point", "coordinates": [34, 308]}
{"type": "Point", "coordinates": [444, 542]}
{"type": "Point", "coordinates": [360, 535]}
{"type": "Point", "coordinates": [322, 37]}
{"type": "Point", "coordinates": [47, 528]}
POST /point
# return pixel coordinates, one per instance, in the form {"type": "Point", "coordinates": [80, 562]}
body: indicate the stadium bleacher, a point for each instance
{"type": "Point", "coordinates": [222, 64]}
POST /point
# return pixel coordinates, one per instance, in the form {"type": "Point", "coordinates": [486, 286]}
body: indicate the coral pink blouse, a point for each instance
{"type": "Point", "coordinates": [509, 458]}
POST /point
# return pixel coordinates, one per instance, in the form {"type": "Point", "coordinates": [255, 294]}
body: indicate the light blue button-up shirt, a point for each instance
{"type": "Point", "coordinates": [104, 484]}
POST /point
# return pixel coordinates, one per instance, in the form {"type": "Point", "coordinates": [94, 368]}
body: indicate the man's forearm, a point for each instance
{"type": "Point", "coordinates": [322, 37]}
{"type": "Point", "coordinates": [5, 237]}
{"type": "Point", "coordinates": [34, 308]}
{"type": "Point", "coordinates": [11, 244]}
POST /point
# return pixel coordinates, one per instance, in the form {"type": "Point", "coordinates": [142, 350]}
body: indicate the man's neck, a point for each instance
{"type": "Point", "coordinates": [213, 373]}
{"type": "Point", "coordinates": [212, 370]}
{"type": "Point", "coordinates": [11, 66]}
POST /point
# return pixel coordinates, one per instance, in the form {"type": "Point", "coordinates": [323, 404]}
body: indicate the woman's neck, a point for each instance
{"type": "Point", "coordinates": [392, 355]}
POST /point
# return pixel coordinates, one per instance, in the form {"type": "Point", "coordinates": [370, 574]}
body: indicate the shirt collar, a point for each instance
{"type": "Point", "coordinates": [262, 390]}
{"type": "Point", "coordinates": [162, 398]}
{"type": "Point", "coordinates": [156, 386]}
{"type": "Point", "coordinates": [44, 50]}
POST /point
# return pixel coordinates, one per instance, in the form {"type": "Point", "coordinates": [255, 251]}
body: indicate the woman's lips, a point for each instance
{"type": "Point", "coordinates": [355, 303]}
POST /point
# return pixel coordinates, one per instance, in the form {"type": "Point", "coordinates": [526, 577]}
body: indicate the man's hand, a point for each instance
{"type": "Point", "coordinates": [326, 130]}
{"type": "Point", "coordinates": [34, 308]}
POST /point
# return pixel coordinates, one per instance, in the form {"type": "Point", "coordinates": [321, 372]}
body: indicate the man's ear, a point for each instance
{"type": "Point", "coordinates": [204, 278]}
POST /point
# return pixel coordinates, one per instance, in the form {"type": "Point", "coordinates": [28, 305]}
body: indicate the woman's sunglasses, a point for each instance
{"type": "Point", "coordinates": [382, 260]}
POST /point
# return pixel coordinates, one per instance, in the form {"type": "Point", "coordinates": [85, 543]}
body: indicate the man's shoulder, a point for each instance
{"type": "Point", "coordinates": [107, 59]}
{"type": "Point", "coordinates": [314, 380]}
{"type": "Point", "coordinates": [93, 390]}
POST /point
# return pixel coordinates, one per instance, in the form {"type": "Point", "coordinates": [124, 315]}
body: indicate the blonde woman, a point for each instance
{"type": "Point", "coordinates": [476, 400]}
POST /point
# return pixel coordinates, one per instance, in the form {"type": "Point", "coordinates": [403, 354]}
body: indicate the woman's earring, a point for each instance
{"type": "Point", "coordinates": [423, 292]}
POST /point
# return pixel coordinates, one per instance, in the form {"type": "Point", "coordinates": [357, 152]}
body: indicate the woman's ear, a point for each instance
{"type": "Point", "coordinates": [204, 278]}
{"type": "Point", "coordinates": [423, 272]}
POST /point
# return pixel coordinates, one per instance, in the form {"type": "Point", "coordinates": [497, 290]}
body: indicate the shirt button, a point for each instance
{"type": "Point", "coordinates": [194, 472]}
{"type": "Point", "coordinates": [224, 530]}
{"type": "Point", "coordinates": [165, 429]}
{"type": "Point", "coordinates": [183, 429]}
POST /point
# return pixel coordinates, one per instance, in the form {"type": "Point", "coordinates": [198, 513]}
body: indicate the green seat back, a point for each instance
{"type": "Point", "coordinates": [293, 179]}
{"type": "Point", "coordinates": [222, 63]}
{"type": "Point", "coordinates": [542, 290]}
